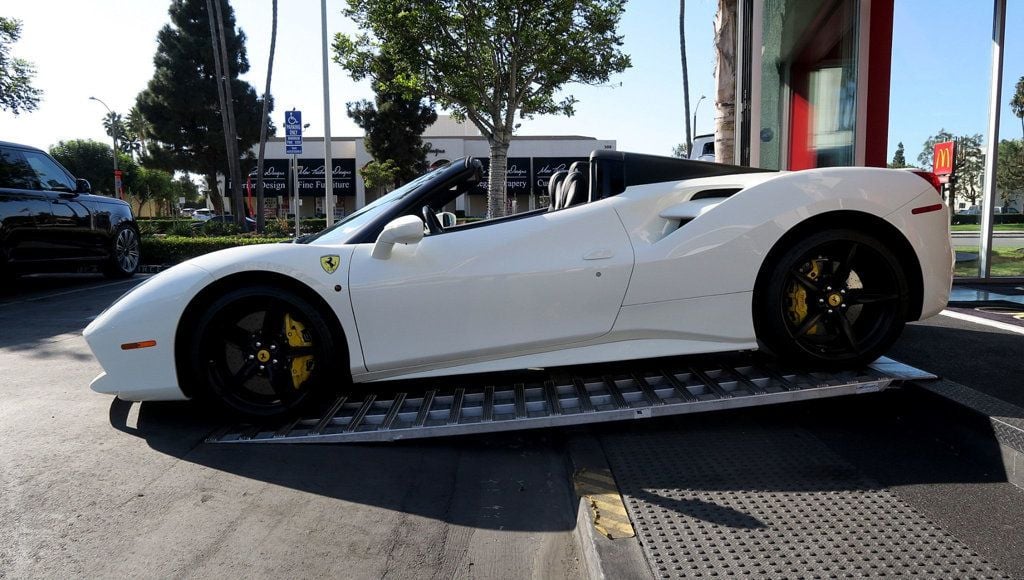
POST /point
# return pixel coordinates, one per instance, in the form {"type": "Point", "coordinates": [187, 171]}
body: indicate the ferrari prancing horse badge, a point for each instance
{"type": "Point", "coordinates": [330, 263]}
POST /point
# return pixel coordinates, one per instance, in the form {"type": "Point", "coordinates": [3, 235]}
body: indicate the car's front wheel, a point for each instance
{"type": "Point", "coordinates": [125, 253]}
{"type": "Point", "coordinates": [835, 298]}
{"type": "Point", "coordinates": [262, 352]}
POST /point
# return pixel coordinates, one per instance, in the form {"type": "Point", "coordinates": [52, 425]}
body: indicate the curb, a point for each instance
{"type": "Point", "coordinates": [1005, 420]}
{"type": "Point", "coordinates": [151, 269]}
{"type": "Point", "coordinates": [602, 557]}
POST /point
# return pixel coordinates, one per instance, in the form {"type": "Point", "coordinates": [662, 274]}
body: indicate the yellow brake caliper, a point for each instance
{"type": "Point", "coordinates": [298, 336]}
{"type": "Point", "coordinates": [798, 298]}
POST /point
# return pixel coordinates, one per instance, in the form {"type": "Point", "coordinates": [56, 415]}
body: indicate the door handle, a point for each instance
{"type": "Point", "coordinates": [602, 254]}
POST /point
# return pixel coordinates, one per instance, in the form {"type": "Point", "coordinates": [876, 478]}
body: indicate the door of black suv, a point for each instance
{"type": "Point", "coordinates": [69, 228]}
{"type": "Point", "coordinates": [23, 208]}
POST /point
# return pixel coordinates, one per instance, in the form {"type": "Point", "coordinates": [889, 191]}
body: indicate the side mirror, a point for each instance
{"type": "Point", "coordinates": [448, 219]}
{"type": "Point", "coordinates": [82, 186]}
{"type": "Point", "coordinates": [404, 230]}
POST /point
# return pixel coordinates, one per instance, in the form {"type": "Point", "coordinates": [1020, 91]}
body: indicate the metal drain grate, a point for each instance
{"type": "Point", "coordinates": [738, 501]}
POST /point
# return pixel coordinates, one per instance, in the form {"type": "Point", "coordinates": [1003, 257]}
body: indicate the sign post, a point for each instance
{"type": "Point", "coordinates": [293, 147]}
{"type": "Point", "coordinates": [944, 167]}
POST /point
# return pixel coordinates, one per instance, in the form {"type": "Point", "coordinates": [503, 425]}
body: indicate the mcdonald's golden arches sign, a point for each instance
{"type": "Point", "coordinates": [942, 162]}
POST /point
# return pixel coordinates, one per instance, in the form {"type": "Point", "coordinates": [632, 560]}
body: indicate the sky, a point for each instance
{"type": "Point", "coordinates": [104, 48]}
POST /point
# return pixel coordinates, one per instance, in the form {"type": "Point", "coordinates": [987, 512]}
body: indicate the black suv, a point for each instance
{"type": "Point", "coordinates": [49, 221]}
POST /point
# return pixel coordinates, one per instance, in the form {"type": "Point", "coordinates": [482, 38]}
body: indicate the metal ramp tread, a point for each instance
{"type": "Point", "coordinates": [562, 401]}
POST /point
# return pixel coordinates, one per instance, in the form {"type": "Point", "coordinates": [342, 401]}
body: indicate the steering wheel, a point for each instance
{"type": "Point", "coordinates": [433, 224]}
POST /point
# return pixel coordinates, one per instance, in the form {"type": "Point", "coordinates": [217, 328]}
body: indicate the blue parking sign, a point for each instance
{"type": "Point", "coordinates": [293, 132]}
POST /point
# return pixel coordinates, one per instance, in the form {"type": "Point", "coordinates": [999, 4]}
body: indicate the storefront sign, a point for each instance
{"type": "Point", "coordinates": [517, 175]}
{"type": "Point", "coordinates": [311, 176]}
{"type": "Point", "coordinates": [943, 159]}
{"type": "Point", "coordinates": [544, 167]}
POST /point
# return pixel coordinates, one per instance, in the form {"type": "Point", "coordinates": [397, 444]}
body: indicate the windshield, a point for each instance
{"type": "Point", "coordinates": [340, 232]}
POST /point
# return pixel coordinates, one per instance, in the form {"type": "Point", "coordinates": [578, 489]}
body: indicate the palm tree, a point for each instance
{"type": "Point", "coordinates": [233, 156]}
{"type": "Point", "coordinates": [266, 120]}
{"type": "Point", "coordinates": [686, 77]}
{"type": "Point", "coordinates": [725, 76]}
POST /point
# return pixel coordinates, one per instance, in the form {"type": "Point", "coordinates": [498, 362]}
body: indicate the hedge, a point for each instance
{"type": "Point", "coordinates": [999, 218]}
{"type": "Point", "coordinates": [168, 226]}
{"type": "Point", "coordinates": [166, 250]}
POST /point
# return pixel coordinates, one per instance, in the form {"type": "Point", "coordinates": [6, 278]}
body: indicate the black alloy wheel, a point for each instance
{"type": "Point", "coordinates": [125, 253]}
{"type": "Point", "coordinates": [262, 352]}
{"type": "Point", "coordinates": [836, 298]}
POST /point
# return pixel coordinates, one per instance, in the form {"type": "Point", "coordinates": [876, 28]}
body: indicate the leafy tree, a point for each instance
{"type": "Point", "coordinates": [680, 151]}
{"type": "Point", "coordinates": [1017, 103]}
{"type": "Point", "coordinates": [393, 125]}
{"type": "Point", "coordinates": [378, 176]}
{"type": "Point", "coordinates": [1010, 171]}
{"type": "Point", "coordinates": [88, 159]}
{"type": "Point", "coordinates": [968, 164]}
{"type": "Point", "coordinates": [488, 60]}
{"type": "Point", "coordinates": [180, 102]}
{"type": "Point", "coordinates": [17, 94]}
{"type": "Point", "coordinates": [899, 159]}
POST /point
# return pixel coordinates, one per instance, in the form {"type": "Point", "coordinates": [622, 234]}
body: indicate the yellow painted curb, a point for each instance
{"type": "Point", "coordinates": [610, 517]}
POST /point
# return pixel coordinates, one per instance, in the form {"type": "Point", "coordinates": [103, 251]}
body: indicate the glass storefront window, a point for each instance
{"type": "Point", "coordinates": [808, 83]}
{"type": "Point", "coordinates": [1008, 220]}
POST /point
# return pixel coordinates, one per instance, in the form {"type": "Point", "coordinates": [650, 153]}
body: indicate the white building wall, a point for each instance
{"type": "Point", "coordinates": [442, 148]}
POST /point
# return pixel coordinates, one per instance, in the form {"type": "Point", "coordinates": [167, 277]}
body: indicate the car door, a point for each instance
{"type": "Point", "coordinates": [492, 290]}
{"type": "Point", "coordinates": [69, 229]}
{"type": "Point", "coordinates": [22, 208]}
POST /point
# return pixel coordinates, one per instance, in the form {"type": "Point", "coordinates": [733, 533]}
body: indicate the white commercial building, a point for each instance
{"type": "Point", "coordinates": [532, 159]}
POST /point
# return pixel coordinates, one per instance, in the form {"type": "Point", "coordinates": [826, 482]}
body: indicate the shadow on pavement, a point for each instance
{"type": "Point", "coordinates": [503, 482]}
{"type": "Point", "coordinates": [982, 358]}
{"type": "Point", "coordinates": [40, 311]}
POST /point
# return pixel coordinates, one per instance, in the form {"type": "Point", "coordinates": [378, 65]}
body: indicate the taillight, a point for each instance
{"type": "Point", "coordinates": [930, 178]}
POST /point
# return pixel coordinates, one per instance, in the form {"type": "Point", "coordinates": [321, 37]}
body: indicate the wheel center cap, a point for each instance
{"type": "Point", "coordinates": [263, 355]}
{"type": "Point", "coordinates": [835, 299]}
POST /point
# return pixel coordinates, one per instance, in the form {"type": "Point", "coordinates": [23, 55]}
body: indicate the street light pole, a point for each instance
{"type": "Point", "coordinates": [328, 145]}
{"type": "Point", "coordinates": [117, 192]}
{"type": "Point", "coordinates": [695, 109]}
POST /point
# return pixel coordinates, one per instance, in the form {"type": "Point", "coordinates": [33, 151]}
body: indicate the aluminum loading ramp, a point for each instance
{"type": "Point", "coordinates": [648, 391]}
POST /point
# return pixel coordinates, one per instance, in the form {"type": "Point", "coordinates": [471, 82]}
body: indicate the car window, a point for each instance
{"type": "Point", "coordinates": [51, 175]}
{"type": "Point", "coordinates": [709, 148]}
{"type": "Point", "coordinates": [15, 173]}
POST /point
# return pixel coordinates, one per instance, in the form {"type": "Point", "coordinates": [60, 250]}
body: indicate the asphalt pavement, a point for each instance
{"type": "Point", "coordinates": [94, 487]}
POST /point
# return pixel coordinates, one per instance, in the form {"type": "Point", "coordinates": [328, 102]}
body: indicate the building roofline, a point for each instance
{"type": "Point", "coordinates": [464, 137]}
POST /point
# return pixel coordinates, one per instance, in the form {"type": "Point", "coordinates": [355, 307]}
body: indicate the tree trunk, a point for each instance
{"type": "Point", "coordinates": [213, 194]}
{"type": "Point", "coordinates": [266, 121]}
{"type": "Point", "coordinates": [496, 199]}
{"type": "Point", "coordinates": [218, 201]}
{"type": "Point", "coordinates": [725, 77]}
{"type": "Point", "coordinates": [237, 204]}
{"type": "Point", "coordinates": [686, 76]}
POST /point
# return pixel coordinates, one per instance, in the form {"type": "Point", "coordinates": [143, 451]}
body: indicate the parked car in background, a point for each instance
{"type": "Point", "coordinates": [202, 214]}
{"type": "Point", "coordinates": [703, 148]}
{"type": "Point", "coordinates": [50, 221]}
{"type": "Point", "coordinates": [250, 224]}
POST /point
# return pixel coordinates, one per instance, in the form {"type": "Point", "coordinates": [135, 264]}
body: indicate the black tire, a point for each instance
{"type": "Point", "coordinates": [247, 363]}
{"type": "Point", "coordinates": [837, 298]}
{"type": "Point", "coordinates": [125, 253]}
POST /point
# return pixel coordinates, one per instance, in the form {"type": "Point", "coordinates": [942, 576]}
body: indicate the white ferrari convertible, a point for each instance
{"type": "Point", "coordinates": [637, 256]}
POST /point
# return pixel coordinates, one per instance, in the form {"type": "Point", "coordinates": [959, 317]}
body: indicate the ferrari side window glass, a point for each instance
{"type": "Point", "coordinates": [50, 175]}
{"type": "Point", "coordinates": [14, 172]}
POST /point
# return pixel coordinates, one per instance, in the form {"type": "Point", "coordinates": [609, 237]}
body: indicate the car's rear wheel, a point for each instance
{"type": "Point", "coordinates": [835, 298]}
{"type": "Point", "coordinates": [262, 352]}
{"type": "Point", "coordinates": [125, 253]}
